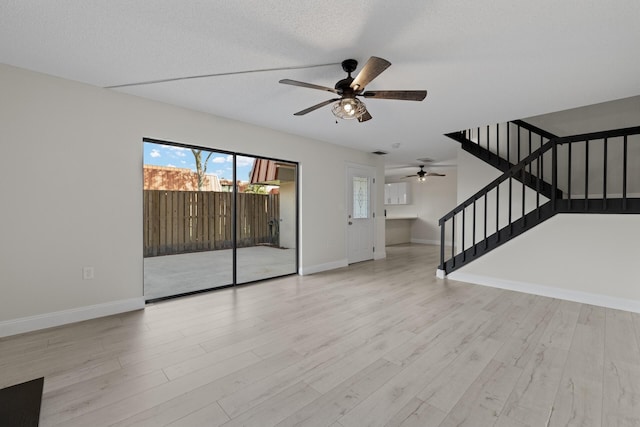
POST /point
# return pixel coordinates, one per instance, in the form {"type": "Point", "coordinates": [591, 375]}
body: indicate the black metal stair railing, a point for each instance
{"type": "Point", "coordinates": [589, 173]}
{"type": "Point", "coordinates": [504, 145]}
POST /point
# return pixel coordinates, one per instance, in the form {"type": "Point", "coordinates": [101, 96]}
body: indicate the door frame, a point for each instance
{"type": "Point", "coordinates": [372, 170]}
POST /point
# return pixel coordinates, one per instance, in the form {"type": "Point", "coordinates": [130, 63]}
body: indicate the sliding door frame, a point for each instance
{"type": "Point", "coordinates": [234, 220]}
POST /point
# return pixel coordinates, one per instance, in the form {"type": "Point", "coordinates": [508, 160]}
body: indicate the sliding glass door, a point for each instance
{"type": "Point", "coordinates": [266, 221]}
{"type": "Point", "coordinates": [215, 219]}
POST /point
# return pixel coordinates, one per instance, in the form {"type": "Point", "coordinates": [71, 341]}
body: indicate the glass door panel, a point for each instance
{"type": "Point", "coordinates": [188, 220]}
{"type": "Point", "coordinates": [266, 218]}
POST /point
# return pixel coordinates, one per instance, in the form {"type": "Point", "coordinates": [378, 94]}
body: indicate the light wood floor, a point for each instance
{"type": "Point", "coordinates": [378, 343]}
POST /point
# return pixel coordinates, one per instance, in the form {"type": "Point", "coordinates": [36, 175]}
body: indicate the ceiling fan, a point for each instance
{"type": "Point", "coordinates": [422, 174]}
{"type": "Point", "coordinates": [348, 106]}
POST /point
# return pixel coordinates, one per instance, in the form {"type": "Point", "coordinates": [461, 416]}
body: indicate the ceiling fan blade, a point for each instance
{"type": "Point", "coordinates": [315, 107]}
{"type": "Point", "coordinates": [410, 176]}
{"type": "Point", "coordinates": [435, 174]}
{"type": "Point", "coordinates": [403, 95]}
{"type": "Point", "coordinates": [366, 116]}
{"type": "Point", "coordinates": [372, 69]}
{"type": "Point", "coordinates": [307, 85]}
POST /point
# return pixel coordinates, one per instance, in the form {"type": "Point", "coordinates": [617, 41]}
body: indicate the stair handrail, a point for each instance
{"type": "Point", "coordinates": [510, 173]}
{"type": "Point", "coordinates": [535, 129]}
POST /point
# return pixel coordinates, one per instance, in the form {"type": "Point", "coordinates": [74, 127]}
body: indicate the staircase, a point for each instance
{"type": "Point", "coordinates": [543, 175]}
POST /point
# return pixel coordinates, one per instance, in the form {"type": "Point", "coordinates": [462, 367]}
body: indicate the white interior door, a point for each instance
{"type": "Point", "coordinates": [360, 215]}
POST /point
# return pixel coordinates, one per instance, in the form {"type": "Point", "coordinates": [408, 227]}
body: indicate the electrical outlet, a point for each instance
{"type": "Point", "coordinates": [87, 273]}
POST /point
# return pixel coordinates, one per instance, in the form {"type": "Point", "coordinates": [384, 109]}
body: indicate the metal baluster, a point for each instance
{"type": "Point", "coordinates": [474, 227]}
{"type": "Point", "coordinates": [498, 212]}
{"type": "Point", "coordinates": [453, 240]}
{"type": "Point", "coordinates": [538, 186]}
{"type": "Point", "coordinates": [486, 199]}
{"type": "Point", "coordinates": [522, 172]}
{"type": "Point", "coordinates": [541, 177]}
{"type": "Point", "coordinates": [510, 202]}
{"type": "Point", "coordinates": [554, 174]}
{"type": "Point", "coordinates": [531, 163]}
{"type": "Point", "coordinates": [518, 144]}
{"type": "Point", "coordinates": [604, 177]}
{"type": "Point", "coordinates": [508, 147]}
{"type": "Point", "coordinates": [569, 172]}
{"type": "Point", "coordinates": [464, 219]}
{"type": "Point", "coordinates": [488, 139]}
{"type": "Point", "coordinates": [586, 176]}
{"type": "Point", "coordinates": [498, 139]}
{"type": "Point", "coordinates": [624, 173]}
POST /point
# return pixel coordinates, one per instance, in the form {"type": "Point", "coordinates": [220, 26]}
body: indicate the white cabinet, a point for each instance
{"type": "Point", "coordinates": [397, 193]}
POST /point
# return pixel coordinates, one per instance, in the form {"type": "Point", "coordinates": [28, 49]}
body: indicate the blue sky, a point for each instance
{"type": "Point", "coordinates": [220, 164]}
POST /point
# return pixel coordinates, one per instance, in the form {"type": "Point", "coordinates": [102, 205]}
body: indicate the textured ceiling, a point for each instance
{"type": "Point", "coordinates": [481, 62]}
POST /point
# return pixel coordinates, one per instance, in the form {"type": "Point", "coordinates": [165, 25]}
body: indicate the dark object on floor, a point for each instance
{"type": "Point", "coordinates": [20, 404]}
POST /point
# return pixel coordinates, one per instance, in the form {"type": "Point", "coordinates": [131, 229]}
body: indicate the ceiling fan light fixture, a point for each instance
{"type": "Point", "coordinates": [422, 178]}
{"type": "Point", "coordinates": [348, 108]}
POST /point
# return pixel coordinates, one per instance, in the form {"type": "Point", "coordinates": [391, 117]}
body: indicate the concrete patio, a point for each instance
{"type": "Point", "coordinates": [177, 274]}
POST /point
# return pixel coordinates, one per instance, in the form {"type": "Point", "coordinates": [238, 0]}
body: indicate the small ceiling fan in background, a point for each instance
{"type": "Point", "coordinates": [422, 174]}
{"type": "Point", "coordinates": [348, 106]}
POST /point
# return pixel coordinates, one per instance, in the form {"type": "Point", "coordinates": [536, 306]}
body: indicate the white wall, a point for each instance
{"type": "Point", "coordinates": [585, 258]}
{"type": "Point", "coordinates": [430, 200]}
{"type": "Point", "coordinates": [616, 114]}
{"type": "Point", "coordinates": [71, 182]}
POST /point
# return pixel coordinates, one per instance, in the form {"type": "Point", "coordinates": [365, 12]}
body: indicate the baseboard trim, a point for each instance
{"type": "Point", "coordinates": [58, 318]}
{"type": "Point", "coordinates": [304, 271]}
{"type": "Point", "coordinates": [549, 291]}
{"type": "Point", "coordinates": [426, 242]}
{"type": "Point", "coordinates": [379, 255]}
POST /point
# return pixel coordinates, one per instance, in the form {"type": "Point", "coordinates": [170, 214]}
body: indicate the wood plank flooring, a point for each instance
{"type": "Point", "coordinates": [379, 343]}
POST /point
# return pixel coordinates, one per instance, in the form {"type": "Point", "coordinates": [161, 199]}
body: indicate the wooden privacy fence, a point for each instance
{"type": "Point", "coordinates": [178, 222]}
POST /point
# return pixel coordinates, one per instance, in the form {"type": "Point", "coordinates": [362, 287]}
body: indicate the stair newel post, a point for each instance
{"type": "Point", "coordinates": [442, 237]}
{"type": "Point", "coordinates": [554, 174]}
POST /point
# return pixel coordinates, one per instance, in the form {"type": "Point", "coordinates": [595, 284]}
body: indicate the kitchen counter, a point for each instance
{"type": "Point", "coordinates": [391, 217]}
